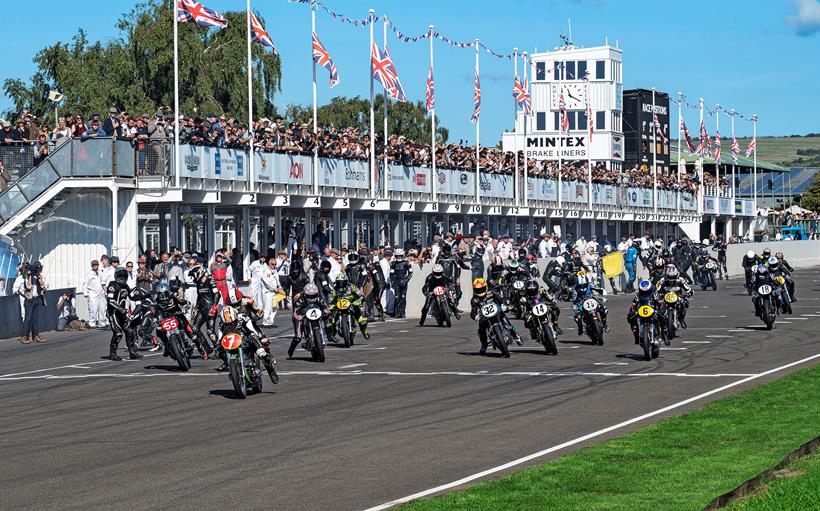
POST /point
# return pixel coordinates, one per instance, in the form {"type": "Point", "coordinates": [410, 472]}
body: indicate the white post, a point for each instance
{"type": "Point", "coordinates": [372, 118]}
{"type": "Point", "coordinates": [717, 164]}
{"type": "Point", "coordinates": [754, 137]}
{"type": "Point", "coordinates": [589, 151]}
{"type": "Point", "coordinates": [702, 152]}
{"type": "Point", "coordinates": [250, 102]}
{"type": "Point", "coordinates": [680, 122]}
{"type": "Point", "coordinates": [477, 139]}
{"type": "Point", "coordinates": [315, 115]}
{"type": "Point", "coordinates": [383, 173]}
{"type": "Point", "coordinates": [433, 175]}
{"type": "Point", "coordinates": [516, 172]}
{"type": "Point", "coordinates": [115, 206]}
{"type": "Point", "coordinates": [526, 160]}
{"type": "Point", "coordinates": [560, 164]}
{"type": "Point", "coordinates": [654, 157]}
{"type": "Point", "coordinates": [176, 98]}
{"type": "Point", "coordinates": [734, 191]}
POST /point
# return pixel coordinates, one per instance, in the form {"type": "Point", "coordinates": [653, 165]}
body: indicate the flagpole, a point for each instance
{"type": "Point", "coordinates": [560, 158]}
{"type": "Point", "coordinates": [315, 110]}
{"type": "Point", "coordinates": [717, 163]}
{"type": "Point", "coordinates": [383, 173]}
{"type": "Point", "coordinates": [372, 117]}
{"type": "Point", "coordinates": [589, 150]}
{"type": "Point", "coordinates": [702, 153]}
{"type": "Point", "coordinates": [175, 11]}
{"type": "Point", "coordinates": [754, 137]}
{"type": "Point", "coordinates": [654, 157]}
{"type": "Point", "coordinates": [515, 128]}
{"type": "Point", "coordinates": [433, 175]}
{"type": "Point", "coordinates": [251, 132]}
{"type": "Point", "coordinates": [733, 163]}
{"type": "Point", "coordinates": [526, 193]}
{"type": "Point", "coordinates": [477, 137]}
{"type": "Point", "coordinates": [680, 124]}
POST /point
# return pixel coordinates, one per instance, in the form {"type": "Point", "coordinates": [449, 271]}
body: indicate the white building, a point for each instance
{"type": "Point", "coordinates": [563, 70]}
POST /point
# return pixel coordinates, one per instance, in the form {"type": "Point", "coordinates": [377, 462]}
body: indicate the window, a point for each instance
{"type": "Point", "coordinates": [571, 116]}
{"type": "Point", "coordinates": [556, 70]}
{"type": "Point", "coordinates": [540, 70]}
{"type": "Point", "coordinates": [557, 121]}
{"type": "Point", "coordinates": [600, 120]}
{"type": "Point", "coordinates": [582, 120]}
{"type": "Point", "coordinates": [570, 70]}
{"type": "Point", "coordinates": [600, 71]}
{"type": "Point", "coordinates": [541, 121]}
{"type": "Point", "coordinates": [582, 69]}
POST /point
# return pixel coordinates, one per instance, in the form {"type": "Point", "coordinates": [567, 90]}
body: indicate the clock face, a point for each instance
{"type": "Point", "coordinates": [575, 95]}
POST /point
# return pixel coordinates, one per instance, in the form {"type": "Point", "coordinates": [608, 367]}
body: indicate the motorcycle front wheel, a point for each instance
{"type": "Point", "coordinates": [235, 372]}
{"type": "Point", "coordinates": [500, 340]}
{"type": "Point", "coordinates": [178, 352]}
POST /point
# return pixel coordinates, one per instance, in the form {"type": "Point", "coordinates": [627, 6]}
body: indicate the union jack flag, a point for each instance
{"type": "Point", "coordinates": [704, 136]}
{"type": "Point", "coordinates": [476, 98]}
{"type": "Point", "coordinates": [735, 149]}
{"type": "Point", "coordinates": [385, 73]}
{"type": "Point", "coordinates": [521, 96]}
{"type": "Point", "coordinates": [752, 149]}
{"type": "Point", "coordinates": [430, 94]}
{"type": "Point", "coordinates": [689, 143]}
{"type": "Point", "coordinates": [589, 122]}
{"type": "Point", "coordinates": [190, 11]}
{"type": "Point", "coordinates": [527, 103]}
{"type": "Point", "coordinates": [562, 107]}
{"type": "Point", "coordinates": [717, 147]}
{"type": "Point", "coordinates": [658, 128]}
{"type": "Point", "coordinates": [260, 35]}
{"type": "Point", "coordinates": [322, 57]}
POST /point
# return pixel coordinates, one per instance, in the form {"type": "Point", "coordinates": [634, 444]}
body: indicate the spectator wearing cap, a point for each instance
{"type": "Point", "coordinates": [94, 130]}
{"type": "Point", "coordinates": [94, 293]}
{"type": "Point", "coordinates": [8, 136]}
{"type": "Point", "coordinates": [112, 126]}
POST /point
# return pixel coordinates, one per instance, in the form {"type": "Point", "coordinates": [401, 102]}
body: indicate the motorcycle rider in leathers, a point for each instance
{"type": "Point", "coordinates": [452, 265]}
{"type": "Point", "coordinates": [400, 273]}
{"type": "Point", "coordinates": [247, 312]}
{"type": "Point", "coordinates": [672, 281]}
{"type": "Point", "coordinates": [204, 309]}
{"type": "Point", "coordinates": [437, 278]}
{"type": "Point", "coordinates": [480, 293]}
{"type": "Point", "coordinates": [117, 295]}
{"type": "Point", "coordinates": [536, 294]}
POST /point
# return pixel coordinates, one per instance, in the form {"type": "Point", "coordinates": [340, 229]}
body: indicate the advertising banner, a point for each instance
{"type": "Point", "coordinates": [283, 168]}
{"type": "Point", "coordinates": [639, 197]}
{"type": "Point", "coordinates": [213, 163]}
{"type": "Point", "coordinates": [573, 191]}
{"type": "Point", "coordinates": [604, 194]}
{"type": "Point", "coordinates": [408, 179]}
{"type": "Point", "coordinates": [496, 185]}
{"type": "Point", "coordinates": [343, 173]}
{"type": "Point", "coordinates": [688, 202]}
{"type": "Point", "coordinates": [725, 206]}
{"type": "Point", "coordinates": [667, 199]}
{"type": "Point", "coordinates": [710, 205]}
{"type": "Point", "coordinates": [455, 182]}
{"type": "Point", "coordinates": [551, 147]}
{"type": "Point", "coordinates": [542, 189]}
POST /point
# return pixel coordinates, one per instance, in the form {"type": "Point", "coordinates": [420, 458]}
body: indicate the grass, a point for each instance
{"type": "Point", "coordinates": [782, 150]}
{"type": "Point", "coordinates": [796, 488]}
{"type": "Point", "coordinates": [678, 464]}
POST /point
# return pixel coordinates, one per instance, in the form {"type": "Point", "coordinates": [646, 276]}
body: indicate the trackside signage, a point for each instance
{"type": "Point", "coordinates": [553, 147]}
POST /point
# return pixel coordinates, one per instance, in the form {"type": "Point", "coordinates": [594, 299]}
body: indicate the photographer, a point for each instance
{"type": "Point", "coordinates": [34, 289]}
{"type": "Point", "coordinates": [68, 319]}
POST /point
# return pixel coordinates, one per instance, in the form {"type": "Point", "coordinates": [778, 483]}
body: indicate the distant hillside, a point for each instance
{"type": "Point", "coordinates": [791, 151]}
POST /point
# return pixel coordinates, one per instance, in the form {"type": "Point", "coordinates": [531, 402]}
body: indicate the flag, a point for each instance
{"type": "Point", "coordinates": [322, 57]}
{"type": "Point", "coordinates": [190, 11]}
{"type": "Point", "coordinates": [701, 150]}
{"type": "Point", "coordinates": [752, 149]}
{"type": "Point", "coordinates": [522, 96]}
{"type": "Point", "coordinates": [476, 98]}
{"type": "Point", "coordinates": [385, 73]}
{"type": "Point", "coordinates": [717, 147]}
{"type": "Point", "coordinates": [689, 143]}
{"type": "Point", "coordinates": [430, 94]}
{"type": "Point", "coordinates": [735, 149]}
{"type": "Point", "coordinates": [658, 128]}
{"type": "Point", "coordinates": [259, 34]}
{"type": "Point", "coordinates": [562, 106]}
{"type": "Point", "coordinates": [527, 103]}
{"type": "Point", "coordinates": [589, 122]}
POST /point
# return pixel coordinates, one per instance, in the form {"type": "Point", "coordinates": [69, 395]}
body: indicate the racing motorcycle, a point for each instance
{"type": "Point", "coordinates": [439, 307]}
{"type": "Point", "coordinates": [591, 320]}
{"type": "Point", "coordinates": [544, 327]}
{"type": "Point", "coordinates": [244, 364]}
{"type": "Point", "coordinates": [144, 323]}
{"type": "Point", "coordinates": [315, 333]}
{"type": "Point", "coordinates": [497, 331]}
{"type": "Point", "coordinates": [673, 303]}
{"type": "Point", "coordinates": [343, 323]}
{"type": "Point", "coordinates": [781, 292]}
{"type": "Point", "coordinates": [175, 338]}
{"type": "Point", "coordinates": [766, 302]}
{"type": "Point", "coordinates": [517, 300]}
{"type": "Point", "coordinates": [705, 273]}
{"type": "Point", "coordinates": [649, 332]}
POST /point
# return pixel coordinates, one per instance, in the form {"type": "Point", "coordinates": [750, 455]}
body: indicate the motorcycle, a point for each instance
{"type": "Point", "coordinates": [497, 331]}
{"type": "Point", "coordinates": [439, 307]}
{"type": "Point", "coordinates": [517, 297]}
{"type": "Point", "coordinates": [244, 364]}
{"type": "Point", "coordinates": [175, 339]}
{"type": "Point", "coordinates": [781, 292]}
{"type": "Point", "coordinates": [544, 327]}
{"type": "Point", "coordinates": [706, 274]}
{"type": "Point", "coordinates": [343, 322]}
{"type": "Point", "coordinates": [649, 332]}
{"type": "Point", "coordinates": [144, 323]}
{"type": "Point", "coordinates": [673, 303]}
{"type": "Point", "coordinates": [591, 320]}
{"type": "Point", "coordinates": [766, 304]}
{"type": "Point", "coordinates": [315, 333]}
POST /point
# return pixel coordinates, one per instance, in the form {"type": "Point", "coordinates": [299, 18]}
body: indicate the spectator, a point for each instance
{"type": "Point", "coordinates": [62, 132]}
{"type": "Point", "coordinates": [41, 149]}
{"type": "Point", "coordinates": [94, 293]}
{"type": "Point", "coordinates": [111, 126]}
{"type": "Point", "coordinates": [67, 305]}
{"type": "Point", "coordinates": [5, 177]}
{"type": "Point", "coordinates": [3, 291]}
{"type": "Point", "coordinates": [34, 290]}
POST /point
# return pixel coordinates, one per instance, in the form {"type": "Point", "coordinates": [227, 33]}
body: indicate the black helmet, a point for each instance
{"type": "Point", "coordinates": [121, 275]}
{"type": "Point", "coordinates": [325, 266]}
{"type": "Point", "coordinates": [353, 258]}
{"type": "Point", "coordinates": [446, 249]}
{"type": "Point", "coordinates": [341, 282]}
{"type": "Point", "coordinates": [522, 252]}
{"type": "Point", "coordinates": [163, 290]}
{"type": "Point", "coordinates": [767, 253]}
{"type": "Point", "coordinates": [531, 288]}
{"type": "Point", "coordinates": [36, 267]}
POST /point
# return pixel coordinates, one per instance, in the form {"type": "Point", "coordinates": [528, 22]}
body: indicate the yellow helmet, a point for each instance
{"type": "Point", "coordinates": [480, 287]}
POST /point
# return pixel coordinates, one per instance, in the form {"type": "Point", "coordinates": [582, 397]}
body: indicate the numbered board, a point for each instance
{"type": "Point", "coordinates": [312, 202]}
{"type": "Point", "coordinates": [495, 211]}
{"type": "Point", "coordinates": [281, 200]}
{"type": "Point", "coordinates": [341, 203]}
{"type": "Point", "coordinates": [540, 212]}
{"type": "Point", "coordinates": [375, 205]}
{"type": "Point", "coordinates": [474, 210]}
{"type": "Point", "coordinates": [431, 207]}
{"type": "Point", "coordinates": [407, 206]}
{"type": "Point", "coordinates": [517, 211]}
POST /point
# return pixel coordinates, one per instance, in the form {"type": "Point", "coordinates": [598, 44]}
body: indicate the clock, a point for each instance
{"type": "Point", "coordinates": [575, 95]}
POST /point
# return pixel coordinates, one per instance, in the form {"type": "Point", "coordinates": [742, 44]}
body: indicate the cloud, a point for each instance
{"type": "Point", "coordinates": [490, 76]}
{"type": "Point", "coordinates": [807, 20]}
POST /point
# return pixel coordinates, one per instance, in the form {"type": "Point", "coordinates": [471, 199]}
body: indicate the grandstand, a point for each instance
{"type": "Point", "coordinates": [785, 186]}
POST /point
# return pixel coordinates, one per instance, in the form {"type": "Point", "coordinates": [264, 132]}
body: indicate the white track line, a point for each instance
{"type": "Point", "coordinates": [620, 425]}
{"type": "Point", "coordinates": [351, 366]}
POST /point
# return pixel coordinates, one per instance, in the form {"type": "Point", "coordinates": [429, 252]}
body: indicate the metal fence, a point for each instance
{"type": "Point", "coordinates": [19, 157]}
{"type": "Point", "coordinates": [153, 158]}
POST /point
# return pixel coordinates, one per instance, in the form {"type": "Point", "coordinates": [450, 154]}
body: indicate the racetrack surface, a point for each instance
{"type": "Point", "coordinates": [412, 409]}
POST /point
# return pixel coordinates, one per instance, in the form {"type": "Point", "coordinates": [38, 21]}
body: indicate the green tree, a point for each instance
{"type": "Point", "coordinates": [408, 119]}
{"type": "Point", "coordinates": [135, 71]}
{"type": "Point", "coordinates": [811, 199]}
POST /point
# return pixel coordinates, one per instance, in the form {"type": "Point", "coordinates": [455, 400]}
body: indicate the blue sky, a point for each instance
{"type": "Point", "coordinates": [753, 56]}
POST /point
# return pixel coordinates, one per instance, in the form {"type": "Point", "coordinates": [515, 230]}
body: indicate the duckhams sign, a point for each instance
{"type": "Point", "coordinates": [550, 147]}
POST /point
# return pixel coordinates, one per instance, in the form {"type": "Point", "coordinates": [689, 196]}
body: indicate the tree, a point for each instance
{"type": "Point", "coordinates": [408, 119]}
{"type": "Point", "coordinates": [135, 72]}
{"type": "Point", "coordinates": [811, 199]}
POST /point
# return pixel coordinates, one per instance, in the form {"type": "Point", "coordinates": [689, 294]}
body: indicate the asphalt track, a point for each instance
{"type": "Point", "coordinates": [412, 409]}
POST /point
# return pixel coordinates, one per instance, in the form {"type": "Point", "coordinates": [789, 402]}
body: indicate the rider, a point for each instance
{"type": "Point", "coordinates": [436, 278]}
{"type": "Point", "coordinates": [322, 280]}
{"type": "Point", "coordinates": [777, 270]}
{"type": "Point", "coordinates": [452, 266]}
{"type": "Point", "coordinates": [170, 303]}
{"type": "Point", "coordinates": [555, 268]}
{"type": "Point", "coordinates": [497, 273]}
{"type": "Point", "coordinates": [525, 265]}
{"type": "Point", "coordinates": [683, 258]}
{"type": "Point", "coordinates": [760, 277]}
{"type": "Point", "coordinates": [244, 312]}
{"type": "Point", "coordinates": [671, 281]}
{"type": "Point", "coordinates": [118, 293]}
{"type": "Point", "coordinates": [374, 270]}
{"type": "Point", "coordinates": [646, 296]}
{"type": "Point", "coordinates": [204, 308]}
{"type": "Point", "coordinates": [310, 297]}
{"type": "Point", "coordinates": [583, 290]}
{"type": "Point", "coordinates": [536, 294]}
{"type": "Point", "coordinates": [480, 294]}
{"type": "Point", "coordinates": [400, 274]}
{"type": "Point", "coordinates": [787, 270]}
{"type": "Point", "coordinates": [719, 246]}
{"type": "Point", "coordinates": [750, 261]}
{"type": "Point", "coordinates": [343, 288]}
{"type": "Point", "coordinates": [657, 269]}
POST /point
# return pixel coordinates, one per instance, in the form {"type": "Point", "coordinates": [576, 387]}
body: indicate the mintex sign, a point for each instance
{"type": "Point", "coordinates": [549, 147]}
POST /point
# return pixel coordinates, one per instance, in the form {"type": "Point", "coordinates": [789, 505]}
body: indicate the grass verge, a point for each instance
{"type": "Point", "coordinates": [795, 488]}
{"type": "Point", "coordinates": [678, 464]}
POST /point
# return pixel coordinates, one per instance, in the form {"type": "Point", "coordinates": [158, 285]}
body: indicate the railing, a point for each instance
{"type": "Point", "coordinates": [20, 157]}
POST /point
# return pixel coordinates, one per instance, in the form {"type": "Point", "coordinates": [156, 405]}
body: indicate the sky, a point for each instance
{"type": "Point", "coordinates": [756, 56]}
